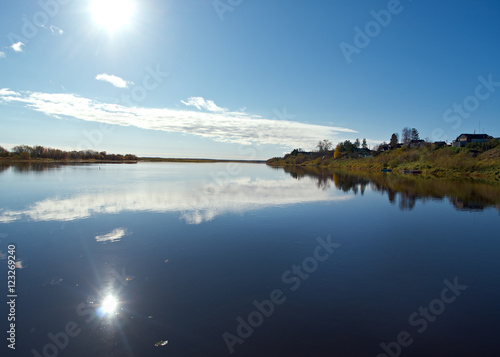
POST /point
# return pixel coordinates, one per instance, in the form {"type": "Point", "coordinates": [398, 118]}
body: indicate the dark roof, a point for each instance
{"type": "Point", "coordinates": [475, 136]}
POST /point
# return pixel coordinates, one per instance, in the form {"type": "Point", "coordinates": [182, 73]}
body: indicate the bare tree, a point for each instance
{"type": "Point", "coordinates": [406, 135]}
{"type": "Point", "coordinates": [324, 145]}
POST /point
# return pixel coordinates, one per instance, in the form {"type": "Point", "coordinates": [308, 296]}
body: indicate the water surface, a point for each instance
{"type": "Point", "coordinates": [314, 263]}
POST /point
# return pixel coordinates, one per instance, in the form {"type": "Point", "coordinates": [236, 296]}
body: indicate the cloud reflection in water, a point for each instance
{"type": "Point", "coordinates": [194, 204]}
{"type": "Point", "coordinates": [114, 236]}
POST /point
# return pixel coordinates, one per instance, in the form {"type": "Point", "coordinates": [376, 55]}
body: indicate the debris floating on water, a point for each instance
{"type": "Point", "coordinates": [19, 265]}
{"type": "Point", "coordinates": [161, 343]}
{"type": "Point", "coordinates": [56, 281]}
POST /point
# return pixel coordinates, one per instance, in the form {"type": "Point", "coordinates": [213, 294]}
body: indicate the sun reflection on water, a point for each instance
{"type": "Point", "coordinates": [108, 306]}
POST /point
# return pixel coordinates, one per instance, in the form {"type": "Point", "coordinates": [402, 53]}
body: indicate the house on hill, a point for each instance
{"type": "Point", "coordinates": [416, 143]}
{"type": "Point", "coordinates": [464, 139]}
{"type": "Point", "coordinates": [364, 152]}
{"type": "Point", "coordinates": [440, 144]}
{"type": "Point", "coordinates": [384, 147]}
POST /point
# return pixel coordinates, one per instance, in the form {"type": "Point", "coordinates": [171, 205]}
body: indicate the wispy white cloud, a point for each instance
{"type": "Point", "coordinates": [18, 46]}
{"type": "Point", "coordinates": [2, 54]}
{"type": "Point", "coordinates": [201, 103]}
{"type": "Point", "coordinates": [56, 30]}
{"type": "Point", "coordinates": [225, 126]}
{"type": "Point", "coordinates": [114, 80]}
{"type": "Point", "coordinates": [114, 236]}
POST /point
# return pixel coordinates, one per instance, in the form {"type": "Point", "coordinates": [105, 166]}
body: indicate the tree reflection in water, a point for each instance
{"type": "Point", "coordinates": [406, 190]}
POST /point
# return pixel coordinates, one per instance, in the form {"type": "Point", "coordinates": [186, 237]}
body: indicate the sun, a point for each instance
{"type": "Point", "coordinates": [112, 14]}
{"type": "Point", "coordinates": [109, 304]}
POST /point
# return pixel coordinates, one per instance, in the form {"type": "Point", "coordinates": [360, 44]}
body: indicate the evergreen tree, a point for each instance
{"type": "Point", "coordinates": [394, 141]}
{"type": "Point", "coordinates": [414, 134]}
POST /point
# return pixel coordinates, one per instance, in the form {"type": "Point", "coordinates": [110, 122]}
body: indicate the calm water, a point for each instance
{"type": "Point", "coordinates": [248, 258]}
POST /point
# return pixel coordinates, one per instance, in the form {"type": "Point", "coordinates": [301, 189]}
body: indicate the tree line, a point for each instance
{"type": "Point", "coordinates": [25, 152]}
{"type": "Point", "coordinates": [348, 147]}
{"type": "Point", "coordinates": [407, 135]}
{"type": "Point", "coordinates": [351, 149]}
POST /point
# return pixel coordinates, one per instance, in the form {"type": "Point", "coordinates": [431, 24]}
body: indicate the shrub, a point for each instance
{"type": "Point", "coordinates": [24, 155]}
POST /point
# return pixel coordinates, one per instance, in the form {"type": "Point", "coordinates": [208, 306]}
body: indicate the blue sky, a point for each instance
{"type": "Point", "coordinates": [244, 79]}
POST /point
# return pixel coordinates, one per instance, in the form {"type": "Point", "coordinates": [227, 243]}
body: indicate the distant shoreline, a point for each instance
{"type": "Point", "coordinates": [158, 159]}
{"type": "Point", "coordinates": [140, 159]}
{"type": "Point", "coordinates": [41, 154]}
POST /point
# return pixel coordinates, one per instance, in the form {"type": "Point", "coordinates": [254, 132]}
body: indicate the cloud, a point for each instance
{"type": "Point", "coordinates": [114, 236]}
{"type": "Point", "coordinates": [202, 103]}
{"type": "Point", "coordinates": [7, 92]}
{"type": "Point", "coordinates": [56, 30]}
{"type": "Point", "coordinates": [2, 54]}
{"type": "Point", "coordinates": [227, 126]}
{"type": "Point", "coordinates": [238, 196]}
{"type": "Point", "coordinates": [17, 47]}
{"type": "Point", "coordinates": [114, 80]}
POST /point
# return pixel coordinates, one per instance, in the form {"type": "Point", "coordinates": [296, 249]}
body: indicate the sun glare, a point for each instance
{"type": "Point", "coordinates": [112, 14]}
{"type": "Point", "coordinates": [109, 304]}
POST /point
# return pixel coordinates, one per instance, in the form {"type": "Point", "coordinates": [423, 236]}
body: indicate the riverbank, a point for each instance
{"type": "Point", "coordinates": [452, 163]}
{"type": "Point", "coordinates": [464, 194]}
{"type": "Point", "coordinates": [64, 161]}
{"type": "Point", "coordinates": [140, 159]}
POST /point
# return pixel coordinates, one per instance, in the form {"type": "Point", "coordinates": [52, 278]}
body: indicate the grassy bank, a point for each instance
{"type": "Point", "coordinates": [447, 162]}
